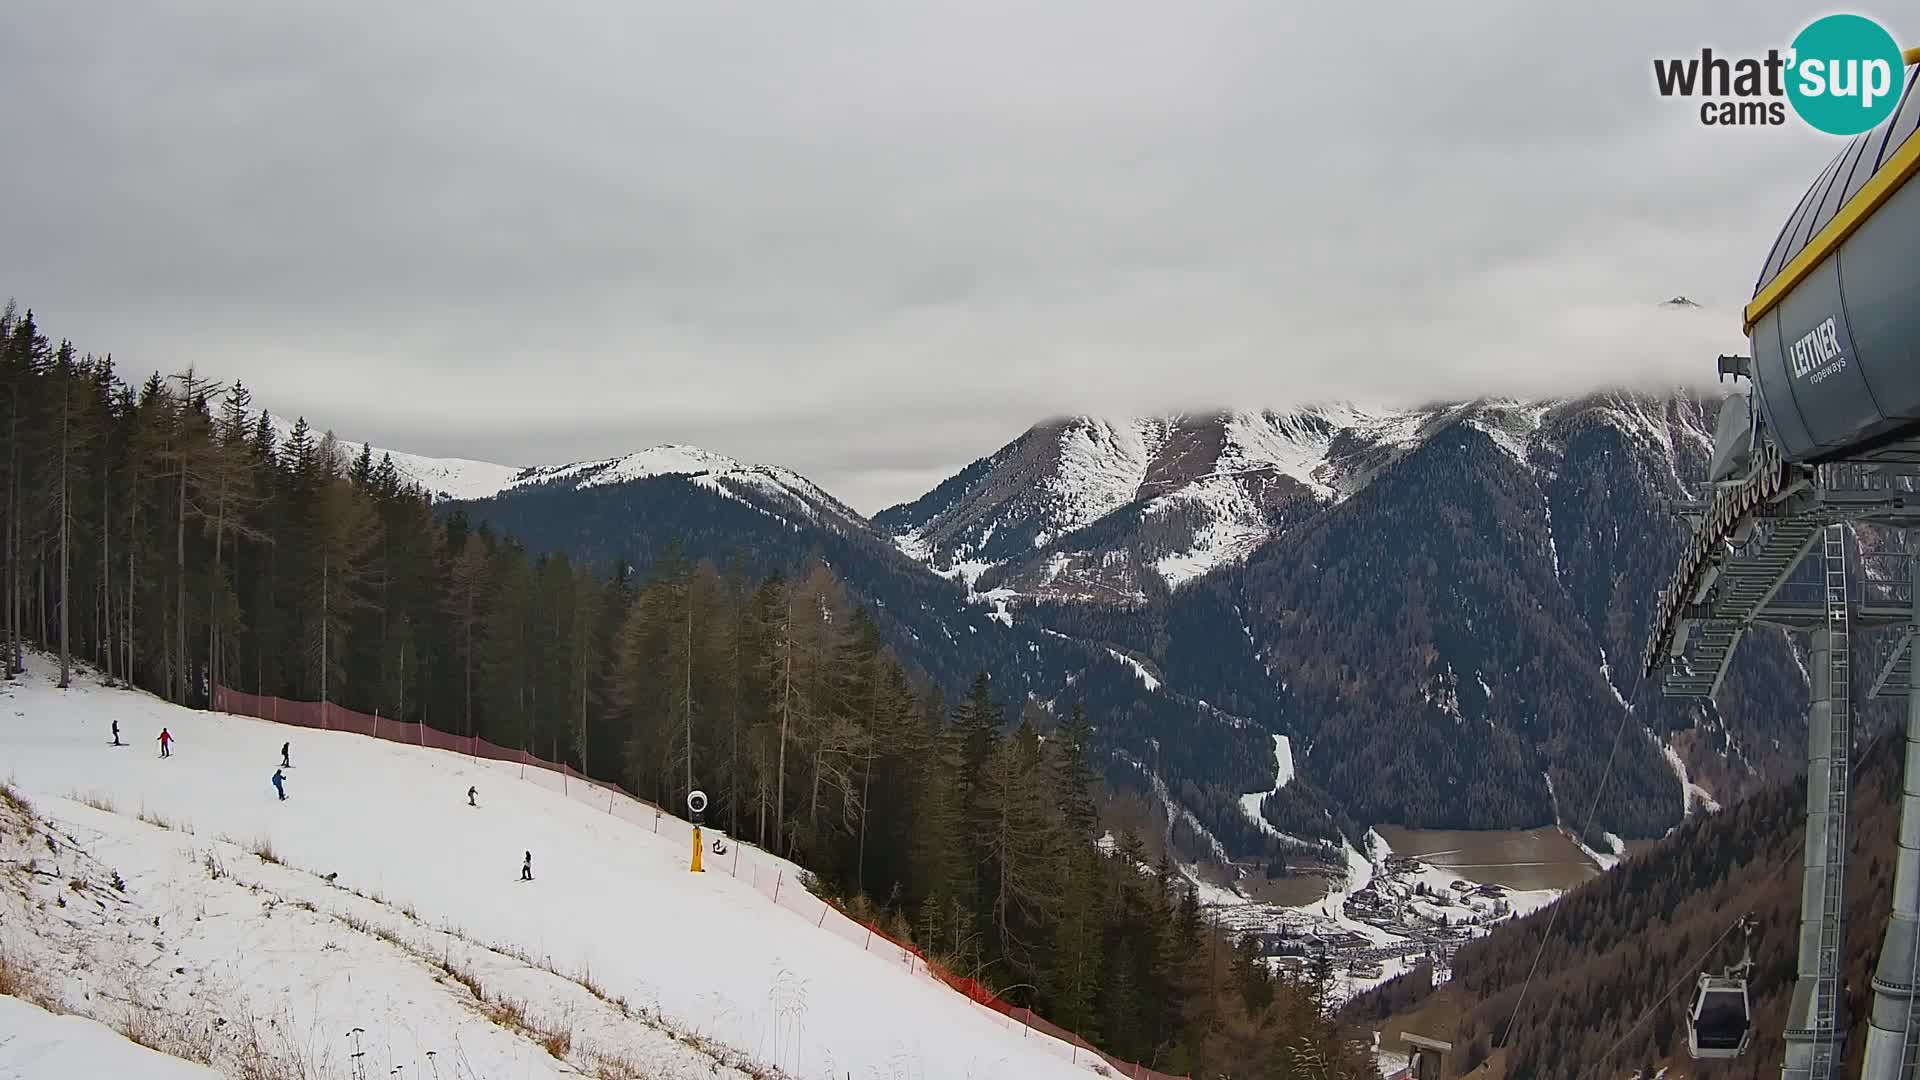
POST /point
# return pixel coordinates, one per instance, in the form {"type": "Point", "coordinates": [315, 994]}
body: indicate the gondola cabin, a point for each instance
{"type": "Point", "coordinates": [1720, 1024]}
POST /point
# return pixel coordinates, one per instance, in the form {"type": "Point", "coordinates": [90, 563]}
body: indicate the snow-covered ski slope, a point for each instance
{"type": "Point", "coordinates": [36, 1043]}
{"type": "Point", "coordinates": [786, 983]}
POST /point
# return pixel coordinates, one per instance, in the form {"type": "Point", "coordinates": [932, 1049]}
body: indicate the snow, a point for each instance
{"type": "Point", "coordinates": [1511, 424]}
{"type": "Point", "coordinates": [37, 1043]}
{"type": "Point", "coordinates": [442, 478]}
{"type": "Point", "coordinates": [466, 479]}
{"type": "Point", "coordinates": [1553, 547]}
{"type": "Point", "coordinates": [1606, 672]}
{"type": "Point", "coordinates": [784, 982]}
{"type": "Point", "coordinates": [716, 472]}
{"type": "Point", "coordinates": [1234, 518]}
{"type": "Point", "coordinates": [1283, 762]}
{"type": "Point", "coordinates": [1600, 859]}
{"type": "Point", "coordinates": [1102, 464]}
{"type": "Point", "coordinates": [668, 460]}
{"type": "Point", "coordinates": [1138, 669]}
{"type": "Point", "coordinates": [1692, 795]}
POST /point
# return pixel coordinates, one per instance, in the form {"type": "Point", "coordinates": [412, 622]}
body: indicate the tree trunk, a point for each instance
{"type": "Point", "coordinates": [325, 559]}
{"type": "Point", "coordinates": [213, 587]}
{"type": "Point", "coordinates": [689, 683]}
{"type": "Point", "coordinates": [130, 605]}
{"type": "Point", "coordinates": [467, 625]}
{"type": "Point", "coordinates": [866, 779]}
{"type": "Point", "coordinates": [786, 712]}
{"type": "Point", "coordinates": [11, 541]}
{"type": "Point", "coordinates": [180, 587]}
{"type": "Point", "coordinates": [106, 574]}
{"type": "Point", "coordinates": [66, 600]}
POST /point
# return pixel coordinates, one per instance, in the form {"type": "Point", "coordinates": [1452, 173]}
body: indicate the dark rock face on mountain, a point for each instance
{"type": "Point", "coordinates": [1442, 608]}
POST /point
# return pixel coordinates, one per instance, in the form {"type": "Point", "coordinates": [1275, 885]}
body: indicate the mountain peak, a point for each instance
{"type": "Point", "coordinates": [666, 459]}
{"type": "Point", "coordinates": [1094, 507]}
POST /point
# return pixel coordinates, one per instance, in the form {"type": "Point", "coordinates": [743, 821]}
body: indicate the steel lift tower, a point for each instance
{"type": "Point", "coordinates": [1827, 438]}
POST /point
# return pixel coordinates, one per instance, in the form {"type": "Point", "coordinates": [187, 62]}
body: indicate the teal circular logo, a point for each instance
{"type": "Point", "coordinates": [1845, 74]}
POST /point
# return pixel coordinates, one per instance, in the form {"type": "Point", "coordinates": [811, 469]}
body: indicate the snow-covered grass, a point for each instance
{"type": "Point", "coordinates": [37, 1043]}
{"type": "Point", "coordinates": [423, 937]}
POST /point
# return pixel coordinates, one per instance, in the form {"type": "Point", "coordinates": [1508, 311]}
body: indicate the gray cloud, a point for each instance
{"type": "Point", "coordinates": [874, 240]}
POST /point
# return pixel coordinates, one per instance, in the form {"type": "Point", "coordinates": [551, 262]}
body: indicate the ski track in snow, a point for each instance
{"type": "Point", "coordinates": [610, 897]}
{"type": "Point", "coordinates": [1283, 762]}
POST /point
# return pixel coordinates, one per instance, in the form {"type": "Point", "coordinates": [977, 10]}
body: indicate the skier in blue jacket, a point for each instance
{"type": "Point", "coordinates": [279, 784]}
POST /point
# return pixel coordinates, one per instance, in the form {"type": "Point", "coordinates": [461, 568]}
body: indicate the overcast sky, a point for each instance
{"type": "Point", "coordinates": [876, 240]}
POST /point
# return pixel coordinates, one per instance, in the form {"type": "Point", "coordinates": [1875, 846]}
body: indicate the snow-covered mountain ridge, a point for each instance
{"type": "Point", "coordinates": [466, 480]}
{"type": "Point", "coordinates": [1125, 509]}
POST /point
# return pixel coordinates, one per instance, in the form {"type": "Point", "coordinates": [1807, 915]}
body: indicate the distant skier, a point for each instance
{"type": "Point", "coordinates": [280, 784]}
{"type": "Point", "coordinates": [526, 868]}
{"type": "Point", "coordinates": [471, 792]}
{"type": "Point", "coordinates": [285, 761]}
{"type": "Point", "coordinates": [116, 734]}
{"type": "Point", "coordinates": [166, 743]}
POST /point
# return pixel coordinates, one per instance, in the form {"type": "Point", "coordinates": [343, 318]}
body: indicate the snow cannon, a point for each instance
{"type": "Point", "coordinates": [696, 805]}
{"type": "Point", "coordinates": [1834, 323]}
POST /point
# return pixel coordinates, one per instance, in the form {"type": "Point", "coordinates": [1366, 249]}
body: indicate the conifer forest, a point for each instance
{"type": "Point", "coordinates": [167, 533]}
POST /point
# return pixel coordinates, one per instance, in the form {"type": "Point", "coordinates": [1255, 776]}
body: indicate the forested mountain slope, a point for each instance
{"type": "Point", "coordinates": [1440, 642]}
{"type": "Point", "coordinates": [170, 537]}
{"type": "Point", "coordinates": [1438, 606]}
{"type": "Point", "coordinates": [1619, 944]}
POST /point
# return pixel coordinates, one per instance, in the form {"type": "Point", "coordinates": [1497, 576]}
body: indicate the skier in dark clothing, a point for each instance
{"type": "Point", "coordinates": [526, 868]}
{"type": "Point", "coordinates": [471, 792]}
{"type": "Point", "coordinates": [285, 761]}
{"type": "Point", "coordinates": [280, 784]}
{"type": "Point", "coordinates": [166, 743]}
{"type": "Point", "coordinates": [116, 734]}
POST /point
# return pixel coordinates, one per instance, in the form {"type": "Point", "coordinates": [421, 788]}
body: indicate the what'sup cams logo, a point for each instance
{"type": "Point", "coordinates": [1842, 75]}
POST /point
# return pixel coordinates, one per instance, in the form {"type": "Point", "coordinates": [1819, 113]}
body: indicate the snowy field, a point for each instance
{"type": "Point", "coordinates": [144, 894]}
{"type": "Point", "coordinates": [36, 1044]}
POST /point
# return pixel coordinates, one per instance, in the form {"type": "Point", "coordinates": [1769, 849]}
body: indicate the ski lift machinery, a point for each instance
{"type": "Point", "coordinates": [1826, 437]}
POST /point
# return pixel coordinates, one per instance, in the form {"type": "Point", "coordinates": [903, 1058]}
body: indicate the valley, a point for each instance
{"type": "Point", "coordinates": [1296, 604]}
{"type": "Point", "coordinates": [1517, 859]}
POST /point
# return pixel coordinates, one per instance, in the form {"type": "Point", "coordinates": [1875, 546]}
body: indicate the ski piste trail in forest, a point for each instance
{"type": "Point", "coordinates": [612, 904]}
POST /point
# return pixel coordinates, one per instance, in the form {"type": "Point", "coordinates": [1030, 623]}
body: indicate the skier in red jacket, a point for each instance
{"type": "Point", "coordinates": [166, 743]}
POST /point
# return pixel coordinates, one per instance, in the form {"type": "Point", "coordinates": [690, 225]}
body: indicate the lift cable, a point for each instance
{"type": "Point", "coordinates": [1685, 976]}
{"type": "Point", "coordinates": [1553, 916]}
{"type": "Point", "coordinates": [1798, 851]}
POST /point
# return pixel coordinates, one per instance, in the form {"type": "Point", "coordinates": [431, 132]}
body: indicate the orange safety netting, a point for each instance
{"type": "Point", "coordinates": [766, 873]}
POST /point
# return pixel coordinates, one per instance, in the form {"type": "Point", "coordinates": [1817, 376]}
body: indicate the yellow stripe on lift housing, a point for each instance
{"type": "Point", "coordinates": [1891, 177]}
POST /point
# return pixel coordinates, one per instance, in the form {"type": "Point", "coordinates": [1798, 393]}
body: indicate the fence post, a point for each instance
{"type": "Point", "coordinates": [776, 886]}
{"type": "Point", "coordinates": [376, 723]}
{"type": "Point", "coordinates": [736, 858]}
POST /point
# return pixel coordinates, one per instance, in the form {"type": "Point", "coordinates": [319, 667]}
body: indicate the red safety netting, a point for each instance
{"type": "Point", "coordinates": [766, 872]}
